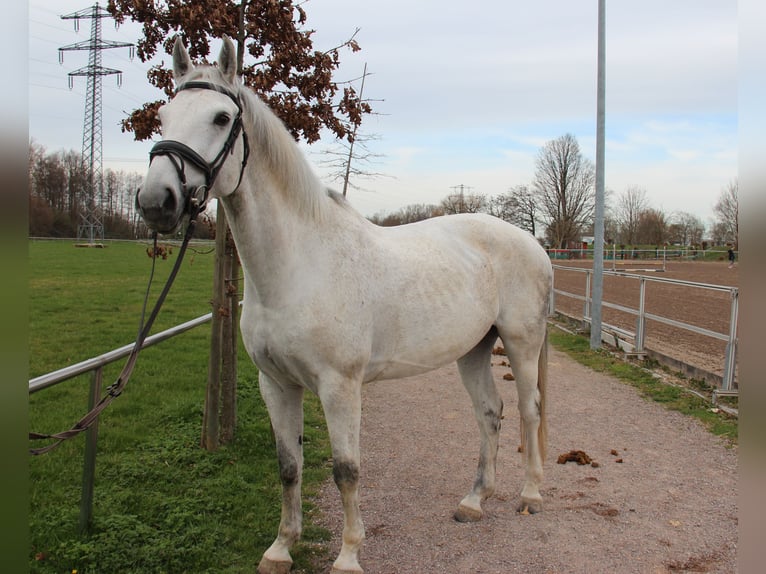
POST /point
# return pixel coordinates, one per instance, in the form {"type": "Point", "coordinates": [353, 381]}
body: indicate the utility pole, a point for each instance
{"type": "Point", "coordinates": [462, 189]}
{"type": "Point", "coordinates": [91, 206]}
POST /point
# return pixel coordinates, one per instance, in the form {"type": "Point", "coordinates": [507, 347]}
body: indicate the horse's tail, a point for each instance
{"type": "Point", "coordinates": [542, 380]}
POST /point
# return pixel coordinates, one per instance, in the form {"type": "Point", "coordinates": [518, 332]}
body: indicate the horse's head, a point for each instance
{"type": "Point", "coordinates": [201, 130]}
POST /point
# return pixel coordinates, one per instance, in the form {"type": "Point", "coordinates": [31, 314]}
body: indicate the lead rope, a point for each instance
{"type": "Point", "coordinates": [115, 389]}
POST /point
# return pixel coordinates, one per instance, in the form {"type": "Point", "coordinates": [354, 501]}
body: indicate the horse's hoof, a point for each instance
{"type": "Point", "coordinates": [346, 571]}
{"type": "Point", "coordinates": [530, 507]}
{"type": "Point", "coordinates": [267, 566]}
{"type": "Point", "coordinates": [467, 514]}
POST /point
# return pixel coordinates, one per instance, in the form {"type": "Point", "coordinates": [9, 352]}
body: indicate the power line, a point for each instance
{"type": "Point", "coordinates": [92, 205]}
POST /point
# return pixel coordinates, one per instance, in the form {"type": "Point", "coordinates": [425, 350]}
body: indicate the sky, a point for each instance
{"type": "Point", "coordinates": [468, 93]}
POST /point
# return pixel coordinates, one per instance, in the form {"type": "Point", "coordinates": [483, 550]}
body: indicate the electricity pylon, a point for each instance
{"type": "Point", "coordinates": [91, 213]}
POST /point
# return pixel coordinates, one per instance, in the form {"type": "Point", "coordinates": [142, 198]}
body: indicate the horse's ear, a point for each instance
{"type": "Point", "coordinates": [182, 63]}
{"type": "Point", "coordinates": [227, 60]}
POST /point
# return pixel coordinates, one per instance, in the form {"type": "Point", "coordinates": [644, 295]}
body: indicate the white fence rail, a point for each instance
{"type": "Point", "coordinates": [639, 336]}
{"type": "Point", "coordinates": [95, 366]}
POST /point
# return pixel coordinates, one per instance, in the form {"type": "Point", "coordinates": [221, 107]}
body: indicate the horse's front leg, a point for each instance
{"type": "Point", "coordinates": [342, 404]}
{"type": "Point", "coordinates": [285, 406]}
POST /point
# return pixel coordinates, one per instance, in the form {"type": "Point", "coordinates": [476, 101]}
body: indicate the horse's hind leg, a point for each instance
{"type": "Point", "coordinates": [527, 355]}
{"type": "Point", "coordinates": [476, 373]}
{"type": "Point", "coordinates": [285, 406]}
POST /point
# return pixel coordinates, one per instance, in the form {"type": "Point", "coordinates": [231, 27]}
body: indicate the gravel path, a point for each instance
{"type": "Point", "coordinates": [670, 506]}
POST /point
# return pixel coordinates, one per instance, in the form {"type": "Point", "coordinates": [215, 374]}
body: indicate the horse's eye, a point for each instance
{"type": "Point", "coordinates": [222, 119]}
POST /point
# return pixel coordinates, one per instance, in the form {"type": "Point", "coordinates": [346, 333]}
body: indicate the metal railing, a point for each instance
{"type": "Point", "coordinates": [95, 366]}
{"type": "Point", "coordinates": [730, 338]}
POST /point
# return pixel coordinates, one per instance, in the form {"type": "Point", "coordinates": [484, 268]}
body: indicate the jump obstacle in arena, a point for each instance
{"type": "Point", "coordinates": [638, 260]}
{"type": "Point", "coordinates": [628, 260]}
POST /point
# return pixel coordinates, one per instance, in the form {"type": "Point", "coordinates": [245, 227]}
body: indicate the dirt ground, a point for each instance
{"type": "Point", "coordinates": [699, 307]}
{"type": "Point", "coordinates": [670, 506]}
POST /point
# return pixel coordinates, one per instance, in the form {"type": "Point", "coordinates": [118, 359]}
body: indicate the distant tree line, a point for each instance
{"type": "Point", "coordinates": [59, 189]}
{"type": "Point", "coordinates": [558, 207]}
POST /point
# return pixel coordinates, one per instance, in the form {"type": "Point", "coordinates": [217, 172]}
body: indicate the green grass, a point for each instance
{"type": "Point", "coordinates": [162, 504]}
{"type": "Point", "coordinates": [672, 397]}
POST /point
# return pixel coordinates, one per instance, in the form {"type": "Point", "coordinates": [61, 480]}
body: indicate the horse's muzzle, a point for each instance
{"type": "Point", "coordinates": [161, 212]}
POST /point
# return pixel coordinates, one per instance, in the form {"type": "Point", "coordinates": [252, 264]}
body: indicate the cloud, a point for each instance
{"type": "Point", "coordinates": [472, 91]}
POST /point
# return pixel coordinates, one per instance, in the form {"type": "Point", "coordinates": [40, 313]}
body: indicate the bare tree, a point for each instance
{"type": "Point", "coordinates": [686, 229]}
{"type": "Point", "coordinates": [727, 213]}
{"type": "Point", "coordinates": [56, 183]}
{"type": "Point", "coordinates": [349, 162]}
{"type": "Point", "coordinates": [463, 203]}
{"type": "Point", "coordinates": [350, 158]}
{"type": "Point", "coordinates": [407, 214]}
{"type": "Point", "coordinates": [517, 206]}
{"type": "Point", "coordinates": [630, 204]}
{"type": "Point", "coordinates": [652, 227]}
{"type": "Point", "coordinates": [564, 186]}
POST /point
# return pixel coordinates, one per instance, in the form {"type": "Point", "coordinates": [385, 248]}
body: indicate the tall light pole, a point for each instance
{"type": "Point", "coordinates": [598, 224]}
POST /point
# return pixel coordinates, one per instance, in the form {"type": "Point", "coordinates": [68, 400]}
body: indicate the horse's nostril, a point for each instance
{"type": "Point", "coordinates": [169, 205]}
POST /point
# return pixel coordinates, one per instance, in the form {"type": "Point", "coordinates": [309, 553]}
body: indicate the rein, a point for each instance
{"type": "Point", "coordinates": [177, 152]}
{"type": "Point", "coordinates": [116, 388]}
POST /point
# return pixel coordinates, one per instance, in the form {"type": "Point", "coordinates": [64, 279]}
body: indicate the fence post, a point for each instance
{"type": "Point", "coordinates": [586, 310]}
{"type": "Point", "coordinates": [89, 464]}
{"type": "Point", "coordinates": [641, 321]}
{"type": "Point", "coordinates": [731, 346]}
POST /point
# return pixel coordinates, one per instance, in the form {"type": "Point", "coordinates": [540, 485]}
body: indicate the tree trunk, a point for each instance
{"type": "Point", "coordinates": [210, 422]}
{"type": "Point", "coordinates": [229, 345]}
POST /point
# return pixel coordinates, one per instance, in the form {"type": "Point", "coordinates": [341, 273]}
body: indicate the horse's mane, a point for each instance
{"type": "Point", "coordinates": [270, 139]}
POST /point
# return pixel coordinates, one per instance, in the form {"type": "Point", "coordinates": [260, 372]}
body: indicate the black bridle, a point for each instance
{"type": "Point", "coordinates": [177, 152]}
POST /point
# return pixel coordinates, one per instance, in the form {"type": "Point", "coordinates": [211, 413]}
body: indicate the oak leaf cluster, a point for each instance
{"type": "Point", "coordinates": [277, 59]}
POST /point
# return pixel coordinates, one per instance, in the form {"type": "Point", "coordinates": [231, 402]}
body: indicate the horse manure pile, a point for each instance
{"type": "Point", "coordinates": [579, 456]}
{"type": "Point", "coordinates": [582, 458]}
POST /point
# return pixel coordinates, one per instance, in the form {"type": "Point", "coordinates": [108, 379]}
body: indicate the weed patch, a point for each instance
{"type": "Point", "coordinates": [640, 376]}
{"type": "Point", "coordinates": [162, 504]}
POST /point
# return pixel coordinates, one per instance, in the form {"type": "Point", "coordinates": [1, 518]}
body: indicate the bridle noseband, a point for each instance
{"type": "Point", "coordinates": [177, 152]}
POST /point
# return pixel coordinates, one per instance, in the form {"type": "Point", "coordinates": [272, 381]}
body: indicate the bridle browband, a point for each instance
{"type": "Point", "coordinates": [177, 152]}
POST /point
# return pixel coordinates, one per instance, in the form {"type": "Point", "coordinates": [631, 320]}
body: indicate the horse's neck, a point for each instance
{"type": "Point", "coordinates": [279, 211]}
{"type": "Point", "coordinates": [271, 238]}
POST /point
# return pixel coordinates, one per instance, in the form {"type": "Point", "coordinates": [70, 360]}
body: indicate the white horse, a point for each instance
{"type": "Point", "coordinates": [332, 301]}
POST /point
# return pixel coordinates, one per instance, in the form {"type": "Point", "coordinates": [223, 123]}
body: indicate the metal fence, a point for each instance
{"type": "Point", "coordinates": [95, 366]}
{"type": "Point", "coordinates": [639, 336]}
{"type": "Point", "coordinates": [627, 257]}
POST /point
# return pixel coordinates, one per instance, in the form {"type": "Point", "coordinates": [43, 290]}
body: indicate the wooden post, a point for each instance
{"type": "Point", "coordinates": [229, 345]}
{"type": "Point", "coordinates": [210, 422]}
